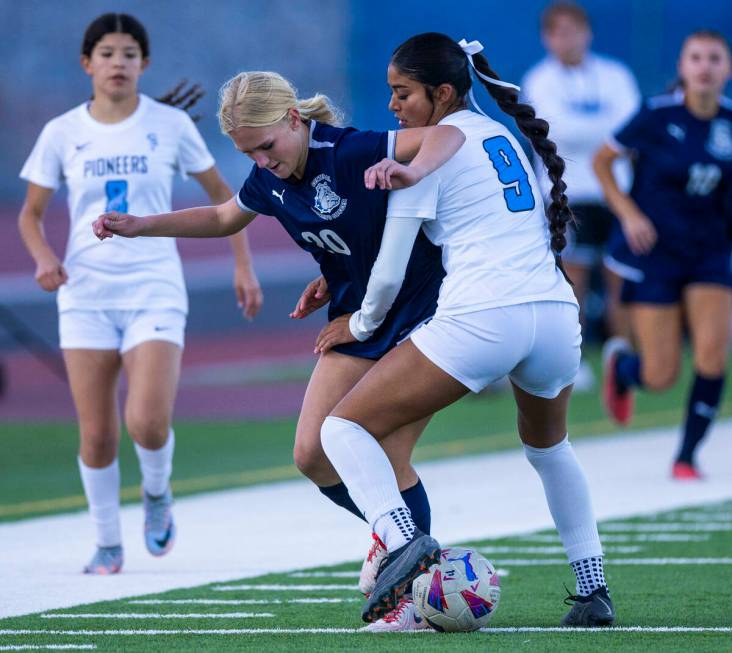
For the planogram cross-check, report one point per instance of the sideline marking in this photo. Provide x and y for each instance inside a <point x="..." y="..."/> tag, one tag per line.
<point x="49" y="647"/>
<point x="551" y="549"/>
<point x="650" y="537"/>
<point x="663" y="527"/>
<point x="280" y="588"/>
<point x="237" y="601"/>
<point x="527" y="562"/>
<point x="146" y="615"/>
<point x="325" y="631"/>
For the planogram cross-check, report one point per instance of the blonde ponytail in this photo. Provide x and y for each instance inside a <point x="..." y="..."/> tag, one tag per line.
<point x="261" y="99"/>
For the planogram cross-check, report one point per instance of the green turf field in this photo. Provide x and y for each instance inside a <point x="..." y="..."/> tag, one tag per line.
<point x="39" y="473"/>
<point x="670" y="576"/>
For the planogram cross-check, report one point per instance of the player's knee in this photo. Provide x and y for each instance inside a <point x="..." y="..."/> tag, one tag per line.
<point x="710" y="361"/>
<point x="98" y="446"/>
<point x="150" y="431"/>
<point x="659" y="377"/>
<point x="310" y="460"/>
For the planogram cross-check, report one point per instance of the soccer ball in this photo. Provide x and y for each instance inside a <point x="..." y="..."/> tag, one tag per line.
<point x="460" y="593"/>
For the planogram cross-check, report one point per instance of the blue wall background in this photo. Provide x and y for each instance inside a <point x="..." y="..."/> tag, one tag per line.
<point x="645" y="34"/>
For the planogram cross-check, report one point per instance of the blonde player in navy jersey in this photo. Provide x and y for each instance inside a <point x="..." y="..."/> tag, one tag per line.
<point x="122" y="307"/>
<point x="309" y="175"/>
<point x="504" y="308"/>
<point x="674" y="249"/>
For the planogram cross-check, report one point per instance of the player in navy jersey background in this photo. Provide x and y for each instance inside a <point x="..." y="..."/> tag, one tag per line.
<point x="673" y="249"/>
<point x="309" y="175"/>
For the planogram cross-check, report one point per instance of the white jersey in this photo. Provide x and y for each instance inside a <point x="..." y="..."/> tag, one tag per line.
<point x="127" y="166"/>
<point x="583" y="105"/>
<point x="484" y="208"/>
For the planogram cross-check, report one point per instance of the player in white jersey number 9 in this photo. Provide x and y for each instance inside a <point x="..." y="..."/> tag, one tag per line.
<point x="505" y="308"/>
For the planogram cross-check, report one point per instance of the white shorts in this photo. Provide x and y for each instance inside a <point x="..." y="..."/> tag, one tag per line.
<point x="120" y="330"/>
<point x="536" y="344"/>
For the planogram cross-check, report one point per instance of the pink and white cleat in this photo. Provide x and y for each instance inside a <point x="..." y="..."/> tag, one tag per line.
<point x="371" y="567"/>
<point x="402" y="618"/>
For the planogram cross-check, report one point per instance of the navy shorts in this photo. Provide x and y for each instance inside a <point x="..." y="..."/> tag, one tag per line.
<point x="662" y="279"/>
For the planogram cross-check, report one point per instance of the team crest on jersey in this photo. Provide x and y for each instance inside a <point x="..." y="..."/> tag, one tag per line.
<point x="328" y="204"/>
<point x="719" y="144"/>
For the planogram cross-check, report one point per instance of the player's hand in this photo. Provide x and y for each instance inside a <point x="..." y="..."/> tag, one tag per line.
<point x="249" y="295"/>
<point x="639" y="233"/>
<point x="50" y="273"/>
<point x="117" y="224"/>
<point x="334" y="333"/>
<point x="388" y="174"/>
<point x="314" y="296"/>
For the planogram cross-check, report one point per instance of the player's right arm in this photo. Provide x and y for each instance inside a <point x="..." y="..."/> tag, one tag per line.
<point x="638" y="229"/>
<point x="200" y="222"/>
<point x="50" y="272"/>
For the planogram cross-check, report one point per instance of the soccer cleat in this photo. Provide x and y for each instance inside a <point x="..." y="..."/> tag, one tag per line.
<point x="107" y="560"/>
<point x="590" y="611"/>
<point x="683" y="471"/>
<point x="401" y="568"/>
<point x="402" y="618"/>
<point x="159" y="524"/>
<point x="375" y="560"/>
<point x="618" y="402"/>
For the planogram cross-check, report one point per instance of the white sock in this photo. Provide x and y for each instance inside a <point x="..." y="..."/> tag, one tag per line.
<point x="101" y="486"/>
<point x="367" y="473"/>
<point x="156" y="466"/>
<point x="568" y="496"/>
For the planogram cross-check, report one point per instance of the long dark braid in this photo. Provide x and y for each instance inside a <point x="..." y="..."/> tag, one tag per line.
<point x="433" y="59"/>
<point x="536" y="130"/>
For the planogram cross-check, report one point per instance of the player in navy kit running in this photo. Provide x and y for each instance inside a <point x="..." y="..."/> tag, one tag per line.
<point x="310" y="177"/>
<point x="674" y="249"/>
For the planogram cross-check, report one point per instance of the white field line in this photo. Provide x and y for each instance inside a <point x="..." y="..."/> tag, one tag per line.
<point x="552" y="549"/>
<point x="661" y="527"/>
<point x="238" y="601"/>
<point x="49" y="647"/>
<point x="348" y="574"/>
<point x="355" y="631"/>
<point x="527" y="562"/>
<point x="283" y="588"/>
<point x="704" y="516"/>
<point x="639" y="537"/>
<point x="151" y="615"/>
<point x="41" y="573"/>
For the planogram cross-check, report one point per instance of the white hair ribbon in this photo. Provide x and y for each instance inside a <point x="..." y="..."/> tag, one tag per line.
<point x="474" y="47"/>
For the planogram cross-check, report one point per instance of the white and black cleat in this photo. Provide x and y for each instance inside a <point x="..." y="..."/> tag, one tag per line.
<point x="592" y="611"/>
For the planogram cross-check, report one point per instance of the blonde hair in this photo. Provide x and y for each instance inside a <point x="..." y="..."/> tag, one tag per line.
<point x="261" y="99"/>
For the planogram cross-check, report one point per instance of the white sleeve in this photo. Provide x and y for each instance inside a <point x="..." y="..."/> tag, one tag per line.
<point x="418" y="201"/>
<point x="386" y="277"/>
<point x="44" y="166"/>
<point x="193" y="155"/>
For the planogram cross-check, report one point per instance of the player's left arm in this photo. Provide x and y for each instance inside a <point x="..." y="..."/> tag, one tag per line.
<point x="246" y="285"/>
<point x="385" y="282"/>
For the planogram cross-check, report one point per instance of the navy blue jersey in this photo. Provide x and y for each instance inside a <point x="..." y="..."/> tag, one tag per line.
<point x="683" y="177"/>
<point x="331" y="214"/>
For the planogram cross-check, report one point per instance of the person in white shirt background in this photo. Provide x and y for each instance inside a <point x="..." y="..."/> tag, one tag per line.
<point x="585" y="97"/>
<point x="122" y="305"/>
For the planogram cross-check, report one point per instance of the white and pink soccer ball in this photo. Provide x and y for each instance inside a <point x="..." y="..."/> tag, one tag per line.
<point x="460" y="594"/>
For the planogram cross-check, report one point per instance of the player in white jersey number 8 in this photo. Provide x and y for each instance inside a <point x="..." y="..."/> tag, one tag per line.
<point x="122" y="306"/>
<point x="505" y="308"/>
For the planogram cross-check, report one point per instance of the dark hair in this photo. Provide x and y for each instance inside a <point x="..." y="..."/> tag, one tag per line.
<point x="115" y="24"/>
<point x="569" y="9"/>
<point x="183" y="96"/>
<point x="433" y="59"/>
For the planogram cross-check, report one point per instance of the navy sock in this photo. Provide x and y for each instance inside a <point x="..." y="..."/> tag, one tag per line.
<point x="338" y="494"/>
<point x="419" y="505"/>
<point x="627" y="371"/>
<point x="701" y="410"/>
